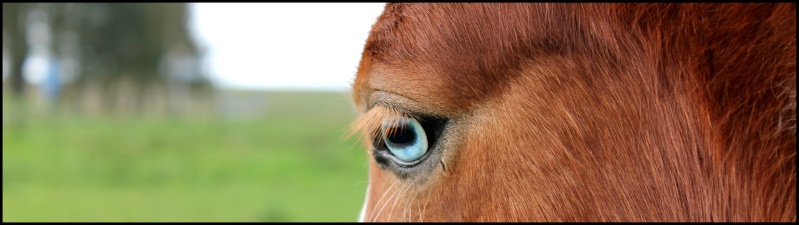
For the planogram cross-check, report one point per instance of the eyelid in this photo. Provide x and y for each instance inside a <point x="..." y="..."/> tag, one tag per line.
<point x="394" y="100"/>
<point x="421" y="117"/>
<point x="399" y="108"/>
<point x="401" y="103"/>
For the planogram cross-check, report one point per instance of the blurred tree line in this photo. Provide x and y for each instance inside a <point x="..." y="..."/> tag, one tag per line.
<point x="130" y="57"/>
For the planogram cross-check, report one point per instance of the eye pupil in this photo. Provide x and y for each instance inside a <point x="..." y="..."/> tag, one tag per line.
<point x="402" y="135"/>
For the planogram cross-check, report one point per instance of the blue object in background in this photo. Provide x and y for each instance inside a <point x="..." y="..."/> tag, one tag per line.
<point x="52" y="83"/>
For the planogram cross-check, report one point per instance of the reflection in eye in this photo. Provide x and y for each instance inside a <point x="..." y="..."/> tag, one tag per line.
<point x="405" y="138"/>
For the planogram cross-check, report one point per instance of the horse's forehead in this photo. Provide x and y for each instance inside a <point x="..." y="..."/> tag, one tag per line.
<point x="449" y="56"/>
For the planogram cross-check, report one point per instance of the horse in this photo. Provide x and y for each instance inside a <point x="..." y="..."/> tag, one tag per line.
<point x="579" y="112"/>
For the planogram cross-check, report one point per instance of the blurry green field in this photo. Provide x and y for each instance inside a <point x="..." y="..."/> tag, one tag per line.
<point x="290" y="163"/>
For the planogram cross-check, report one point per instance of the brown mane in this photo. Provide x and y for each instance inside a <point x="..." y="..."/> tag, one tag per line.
<point x="590" y="112"/>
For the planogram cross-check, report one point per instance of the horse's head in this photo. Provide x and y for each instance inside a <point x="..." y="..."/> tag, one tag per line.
<point x="580" y="112"/>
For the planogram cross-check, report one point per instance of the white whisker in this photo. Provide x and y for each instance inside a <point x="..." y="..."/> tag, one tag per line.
<point x="382" y="198"/>
<point x="396" y="198"/>
<point x="393" y="206"/>
<point x="398" y="189"/>
<point x="424" y="209"/>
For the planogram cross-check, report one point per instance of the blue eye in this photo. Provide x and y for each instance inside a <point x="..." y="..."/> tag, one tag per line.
<point x="405" y="138"/>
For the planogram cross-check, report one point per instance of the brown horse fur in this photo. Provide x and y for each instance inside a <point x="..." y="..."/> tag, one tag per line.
<point x="588" y="112"/>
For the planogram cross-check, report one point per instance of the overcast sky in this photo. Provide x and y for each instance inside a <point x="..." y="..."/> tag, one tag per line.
<point x="301" y="46"/>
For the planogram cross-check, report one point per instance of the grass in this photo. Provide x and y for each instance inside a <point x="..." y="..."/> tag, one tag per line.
<point x="290" y="163"/>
